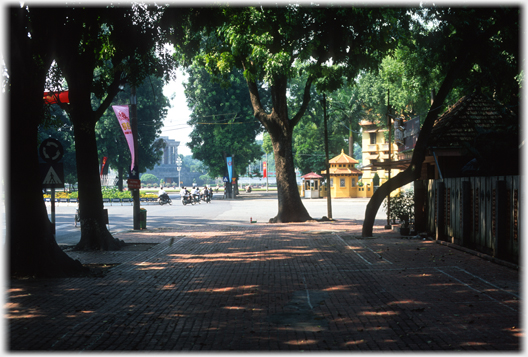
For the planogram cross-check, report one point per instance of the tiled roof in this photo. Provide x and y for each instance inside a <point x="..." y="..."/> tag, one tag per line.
<point x="342" y="171"/>
<point x="463" y="120"/>
<point x="311" y="175"/>
<point x="343" y="159"/>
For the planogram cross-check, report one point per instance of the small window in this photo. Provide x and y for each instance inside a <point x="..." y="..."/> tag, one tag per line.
<point x="373" y="138"/>
<point x="353" y="182"/>
<point x="331" y="182"/>
<point x="342" y="182"/>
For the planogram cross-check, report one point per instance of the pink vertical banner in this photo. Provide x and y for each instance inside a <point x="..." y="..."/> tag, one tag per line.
<point x="121" y="111"/>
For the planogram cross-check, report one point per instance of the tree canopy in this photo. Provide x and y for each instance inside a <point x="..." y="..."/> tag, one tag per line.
<point x="151" y="111"/>
<point x="100" y="50"/>
<point x="222" y="121"/>
<point x="273" y="45"/>
<point x="465" y="47"/>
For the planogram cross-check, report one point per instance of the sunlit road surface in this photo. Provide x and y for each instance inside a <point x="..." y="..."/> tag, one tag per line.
<point x="257" y="206"/>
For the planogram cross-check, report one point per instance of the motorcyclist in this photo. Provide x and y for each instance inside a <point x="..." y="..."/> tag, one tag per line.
<point x="162" y="194"/>
<point x="185" y="194"/>
<point x="205" y="193"/>
<point x="196" y="193"/>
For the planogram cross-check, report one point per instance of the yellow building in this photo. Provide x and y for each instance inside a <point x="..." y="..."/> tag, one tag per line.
<point x="376" y="157"/>
<point x="343" y="176"/>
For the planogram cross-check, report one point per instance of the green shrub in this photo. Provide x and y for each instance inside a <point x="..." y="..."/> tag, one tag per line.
<point x="401" y="207"/>
<point x="149" y="178"/>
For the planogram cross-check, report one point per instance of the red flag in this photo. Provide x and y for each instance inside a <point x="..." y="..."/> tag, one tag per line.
<point x="103" y="165"/>
<point x="56" y="97"/>
<point x="264" y="166"/>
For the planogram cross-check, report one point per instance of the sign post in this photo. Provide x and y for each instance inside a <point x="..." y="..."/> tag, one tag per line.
<point x="134" y="174"/>
<point x="52" y="172"/>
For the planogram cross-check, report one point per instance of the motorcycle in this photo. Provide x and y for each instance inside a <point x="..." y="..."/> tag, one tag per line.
<point x="206" y="198"/>
<point x="164" y="199"/>
<point x="186" y="200"/>
<point x="196" y="199"/>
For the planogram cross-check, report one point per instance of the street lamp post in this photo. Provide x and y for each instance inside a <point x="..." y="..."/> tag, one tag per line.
<point x="179" y="163"/>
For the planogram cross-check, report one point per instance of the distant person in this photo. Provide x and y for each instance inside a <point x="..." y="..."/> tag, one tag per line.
<point x="162" y="193"/>
<point x="196" y="192"/>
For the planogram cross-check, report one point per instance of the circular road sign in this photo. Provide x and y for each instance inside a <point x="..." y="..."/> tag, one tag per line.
<point x="51" y="150"/>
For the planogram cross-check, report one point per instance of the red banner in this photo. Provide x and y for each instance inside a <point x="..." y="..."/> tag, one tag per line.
<point x="121" y="111"/>
<point x="264" y="167"/>
<point x="103" y="165"/>
<point x="56" y="97"/>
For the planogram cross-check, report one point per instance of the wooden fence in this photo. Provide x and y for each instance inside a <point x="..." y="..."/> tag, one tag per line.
<point x="480" y="213"/>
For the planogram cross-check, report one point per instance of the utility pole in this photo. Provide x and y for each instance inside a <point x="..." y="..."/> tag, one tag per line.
<point x="267" y="182"/>
<point x="233" y="185"/>
<point x="350" y="140"/>
<point x="328" y="199"/>
<point x="135" y="170"/>
<point x="388" y="226"/>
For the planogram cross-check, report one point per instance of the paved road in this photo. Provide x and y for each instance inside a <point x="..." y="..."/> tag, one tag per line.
<point x="258" y="206"/>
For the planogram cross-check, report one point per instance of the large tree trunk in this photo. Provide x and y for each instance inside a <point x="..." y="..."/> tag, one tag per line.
<point x="120" y="179"/>
<point x="291" y="208"/>
<point x="33" y="250"/>
<point x="78" y="69"/>
<point x="280" y="128"/>
<point x="94" y="234"/>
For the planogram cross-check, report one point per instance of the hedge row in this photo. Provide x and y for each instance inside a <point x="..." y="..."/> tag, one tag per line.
<point x="107" y="193"/>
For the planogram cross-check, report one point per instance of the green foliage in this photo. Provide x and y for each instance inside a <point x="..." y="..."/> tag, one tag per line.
<point x="149" y="178"/>
<point x="267" y="145"/>
<point x="401" y="207"/>
<point x="267" y="148"/>
<point x="308" y="135"/>
<point x="222" y="120"/>
<point x="106" y="192"/>
<point x="152" y="108"/>
<point x="268" y="40"/>
<point x="113" y="192"/>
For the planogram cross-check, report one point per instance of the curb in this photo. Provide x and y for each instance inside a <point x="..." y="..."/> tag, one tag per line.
<point x="479" y="254"/>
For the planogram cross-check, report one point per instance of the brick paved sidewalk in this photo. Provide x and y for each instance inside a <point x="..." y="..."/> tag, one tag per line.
<point x="271" y="287"/>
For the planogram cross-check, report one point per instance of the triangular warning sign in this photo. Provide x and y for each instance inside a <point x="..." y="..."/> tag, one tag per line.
<point x="52" y="178"/>
<point x="52" y="175"/>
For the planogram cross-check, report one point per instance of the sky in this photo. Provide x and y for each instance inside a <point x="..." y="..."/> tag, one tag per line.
<point x="175" y="124"/>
